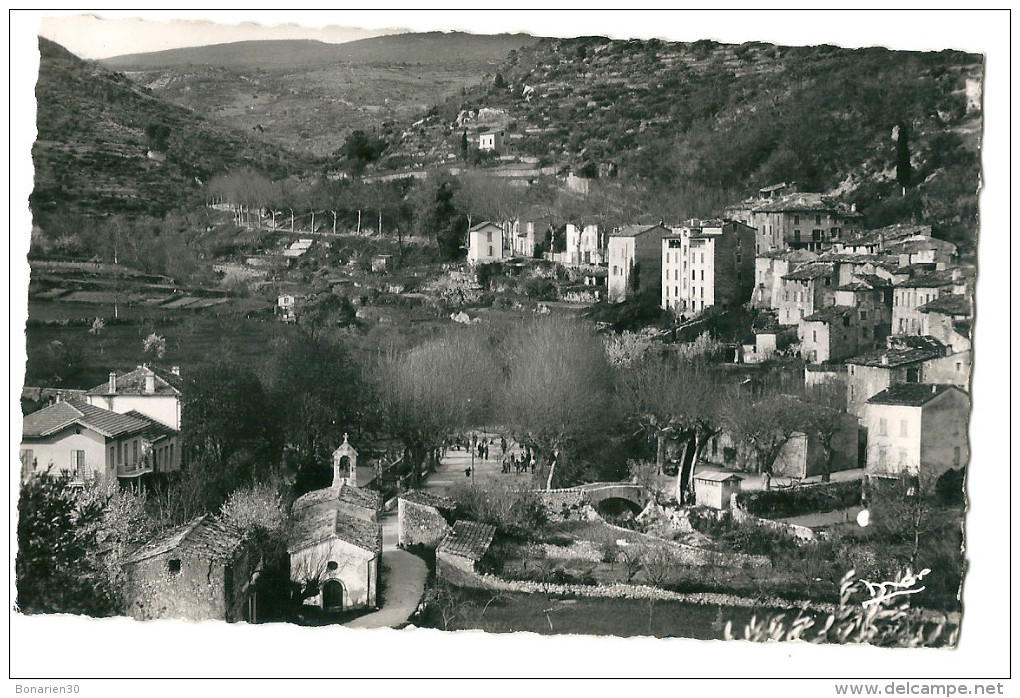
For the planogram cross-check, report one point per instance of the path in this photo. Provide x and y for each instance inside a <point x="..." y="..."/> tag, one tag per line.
<point x="452" y="468"/>
<point x="403" y="577"/>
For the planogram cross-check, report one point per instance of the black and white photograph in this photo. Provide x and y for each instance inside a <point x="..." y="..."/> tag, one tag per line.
<point x="477" y="344"/>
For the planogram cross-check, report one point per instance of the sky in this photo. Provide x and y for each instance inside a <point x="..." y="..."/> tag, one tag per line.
<point x="124" y="648"/>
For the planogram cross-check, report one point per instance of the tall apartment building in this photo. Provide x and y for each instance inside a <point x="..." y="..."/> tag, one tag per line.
<point x="707" y="263"/>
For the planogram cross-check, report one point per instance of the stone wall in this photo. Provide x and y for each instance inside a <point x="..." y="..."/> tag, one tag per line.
<point x="418" y="524"/>
<point x="565" y="505"/>
<point x="185" y="587"/>
<point x="801" y="533"/>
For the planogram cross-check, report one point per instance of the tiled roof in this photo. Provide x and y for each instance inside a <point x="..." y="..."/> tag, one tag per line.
<point x="206" y="537"/>
<point x="890" y="232"/>
<point x="911" y="394"/>
<point x="716" y="476"/>
<point x="321" y="521"/>
<point x="630" y="231"/>
<point x="893" y="357"/>
<point x="52" y="419"/>
<point x="370" y="499"/>
<point x="810" y="271"/>
<point x="428" y="499"/>
<point x="133" y="383"/>
<point x="874" y="280"/>
<point x="833" y="313"/>
<point x="949" y="304"/>
<point x="156" y="429"/>
<point x="468" y="539"/>
<point x="483" y="225"/>
<point x="856" y="286"/>
<point x="915" y="341"/>
<point x="36" y="394"/>
<point x="918" y="244"/>
<point x="805" y="202"/>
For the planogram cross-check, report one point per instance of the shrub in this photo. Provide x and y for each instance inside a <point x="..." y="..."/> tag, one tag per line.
<point x="775" y="504"/>
<point x="514" y="511"/>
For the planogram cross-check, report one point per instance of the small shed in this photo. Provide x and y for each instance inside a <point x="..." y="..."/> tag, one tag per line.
<point x="714" y="489"/>
<point x="382" y="263"/>
<point x="464" y="546"/>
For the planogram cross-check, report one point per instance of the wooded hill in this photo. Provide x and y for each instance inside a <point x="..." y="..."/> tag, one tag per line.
<point x="308" y="95"/>
<point x="96" y="129"/>
<point x="711" y="123"/>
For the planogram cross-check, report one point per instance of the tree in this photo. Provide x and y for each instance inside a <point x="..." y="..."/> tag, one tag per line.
<point x="437" y="217"/>
<point x="826" y="418"/>
<point x="158" y="136"/>
<point x="434" y="389"/>
<point x="71" y="543"/>
<point x="673" y="401"/>
<point x="360" y="149"/>
<point x="765" y="427"/>
<point x="498" y="82"/>
<point x="558" y="387"/>
<point x="903" y="169"/>
<point x="154" y="344"/>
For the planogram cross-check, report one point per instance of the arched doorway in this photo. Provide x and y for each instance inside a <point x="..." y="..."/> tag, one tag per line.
<point x="333" y="595"/>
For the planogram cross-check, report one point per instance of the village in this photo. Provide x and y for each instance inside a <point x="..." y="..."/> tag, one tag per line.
<point x="846" y="379"/>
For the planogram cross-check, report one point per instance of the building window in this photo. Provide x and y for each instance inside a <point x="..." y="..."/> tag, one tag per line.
<point x="702" y="274"/>
<point x="864" y="315"/>
<point x="956" y="456"/>
<point x="796" y="236"/>
<point x="173" y="566"/>
<point x="818" y="220"/>
<point x="134" y="451"/>
<point x="332" y="566"/>
<point x="796" y="220"/>
<point x="814" y="336"/>
<point x="959" y="366"/>
<point x="903" y="428"/>
<point x="913" y="375"/>
<point x="882" y="426"/>
<point x="77" y="462"/>
<point x="488" y="236"/>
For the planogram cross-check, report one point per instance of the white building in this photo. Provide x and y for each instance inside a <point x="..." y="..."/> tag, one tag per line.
<point x="140" y="390"/>
<point x="485" y="243"/>
<point x="491" y="140"/>
<point x="707" y="263"/>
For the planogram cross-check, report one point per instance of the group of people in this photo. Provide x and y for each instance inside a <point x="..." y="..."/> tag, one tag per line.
<point x="519" y="464"/>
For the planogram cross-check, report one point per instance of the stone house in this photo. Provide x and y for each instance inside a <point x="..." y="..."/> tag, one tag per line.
<point x="870" y="373"/>
<point x="491" y="140"/>
<point x="199" y="571"/>
<point x="423" y="518"/>
<point x="802" y="456"/>
<point x="714" y="489"/>
<point x="923" y="249"/>
<point x="915" y="427"/>
<point x="334" y="556"/>
<point x="707" y="263"/>
<point x="585" y="245"/>
<point x="91" y="442"/>
<point x="634" y="251"/>
<point x="948" y="318"/>
<point x="142" y="390"/>
<point x="916" y="291"/>
<point x="485" y="243"/>
<point x="804" y="220"/>
<point x="463" y="547"/>
<point x="382" y="263"/>
<point x="769" y="270"/>
<point x="805" y="290"/>
<point x="829" y="334"/>
<point x="872" y="242"/>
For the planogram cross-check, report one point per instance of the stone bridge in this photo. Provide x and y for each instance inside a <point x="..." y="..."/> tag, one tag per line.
<point x="599" y="494"/>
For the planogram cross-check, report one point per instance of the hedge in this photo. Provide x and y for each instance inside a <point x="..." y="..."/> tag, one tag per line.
<point x="776" y="504"/>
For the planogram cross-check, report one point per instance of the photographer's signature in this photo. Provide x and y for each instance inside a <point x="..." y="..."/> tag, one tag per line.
<point x="884" y="591"/>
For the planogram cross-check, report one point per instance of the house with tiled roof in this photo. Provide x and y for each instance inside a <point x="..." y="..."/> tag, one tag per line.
<point x="804" y="290"/>
<point x="948" y="318"/>
<point x="485" y="243"/>
<point x="91" y="442"/>
<point x="463" y="548"/>
<point x="876" y="240"/>
<point x="923" y="249"/>
<point x="199" y="571"/>
<point x="918" y="290"/>
<point x="423" y="518"/>
<point x="769" y="270"/>
<point x="142" y="390"/>
<point x="830" y="334"/>
<point x="634" y="256"/>
<point x="803" y="220"/>
<point x="917" y="429"/>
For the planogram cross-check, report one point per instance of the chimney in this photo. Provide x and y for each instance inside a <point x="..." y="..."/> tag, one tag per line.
<point x="885" y="359"/>
<point x="113" y="382"/>
<point x="150" y="383"/>
<point x="175" y="371"/>
<point x="933" y="388"/>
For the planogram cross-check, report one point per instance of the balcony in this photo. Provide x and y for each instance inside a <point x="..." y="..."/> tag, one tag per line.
<point x="134" y="469"/>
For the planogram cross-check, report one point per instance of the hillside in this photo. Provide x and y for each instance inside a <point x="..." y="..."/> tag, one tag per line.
<point x="96" y="130"/>
<point x="705" y="123"/>
<point x="307" y="96"/>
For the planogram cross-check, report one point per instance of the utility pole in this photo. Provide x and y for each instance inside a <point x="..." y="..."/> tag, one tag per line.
<point x="380" y="221"/>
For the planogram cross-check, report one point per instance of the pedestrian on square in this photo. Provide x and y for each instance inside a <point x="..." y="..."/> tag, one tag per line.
<point x="485" y="450"/>
<point x="502" y="444"/>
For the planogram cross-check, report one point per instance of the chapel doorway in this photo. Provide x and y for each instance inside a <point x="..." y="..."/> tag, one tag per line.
<point x="332" y="595"/>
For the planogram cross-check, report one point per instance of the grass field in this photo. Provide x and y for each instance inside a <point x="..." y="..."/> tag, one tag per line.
<point x="538" y="613"/>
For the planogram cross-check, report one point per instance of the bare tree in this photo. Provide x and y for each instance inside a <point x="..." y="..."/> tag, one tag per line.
<point x="765" y="427"/>
<point x="557" y="388"/>
<point x="826" y="418"/>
